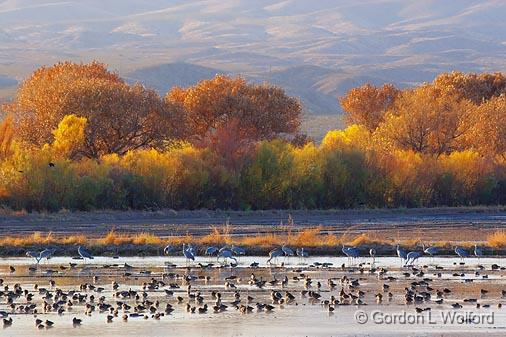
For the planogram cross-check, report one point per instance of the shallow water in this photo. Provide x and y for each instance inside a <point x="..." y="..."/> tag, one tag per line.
<point x="245" y="261"/>
<point x="302" y="317"/>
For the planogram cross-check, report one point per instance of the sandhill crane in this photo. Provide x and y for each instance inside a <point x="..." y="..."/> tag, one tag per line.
<point x="85" y="254"/>
<point x="402" y="253"/>
<point x="210" y="251"/>
<point x="274" y="254"/>
<point x="431" y="251"/>
<point x="187" y="252"/>
<point x="461" y="252"/>
<point x="301" y="252"/>
<point x="227" y="254"/>
<point x="372" y="253"/>
<point x="46" y="254"/>
<point x="412" y="257"/>
<point x="351" y="252"/>
<point x="169" y="249"/>
<point x="34" y="255"/>
<point x="287" y="251"/>
<point x="192" y="250"/>
<point x="238" y="250"/>
<point x="226" y="247"/>
<point x="478" y="252"/>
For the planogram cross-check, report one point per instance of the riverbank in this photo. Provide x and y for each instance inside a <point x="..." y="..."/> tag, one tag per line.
<point x="320" y="231"/>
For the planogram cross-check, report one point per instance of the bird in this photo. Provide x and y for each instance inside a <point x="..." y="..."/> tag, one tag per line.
<point x="372" y="252"/>
<point x="287" y="251"/>
<point x="478" y="252"/>
<point x="168" y="249"/>
<point x="46" y="254"/>
<point x="85" y="254"/>
<point x="350" y="252"/>
<point x="238" y="250"/>
<point x="402" y="253"/>
<point x="187" y="252"/>
<point x="430" y="250"/>
<point x="461" y="252"/>
<point x="227" y="254"/>
<point x="274" y="254"/>
<point x="301" y="252"/>
<point x="210" y="251"/>
<point x="412" y="257"/>
<point x="51" y="164"/>
<point x="192" y="250"/>
<point x="34" y="255"/>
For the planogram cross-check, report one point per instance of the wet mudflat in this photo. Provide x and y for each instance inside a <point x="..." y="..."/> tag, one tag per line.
<point x="168" y="296"/>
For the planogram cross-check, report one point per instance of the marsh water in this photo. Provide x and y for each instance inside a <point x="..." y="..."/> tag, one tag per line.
<point x="302" y="316"/>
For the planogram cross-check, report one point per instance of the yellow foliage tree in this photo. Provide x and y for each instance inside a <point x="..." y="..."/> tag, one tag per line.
<point x="6" y="136"/>
<point x="69" y="136"/>
<point x="468" y="169"/>
<point x="426" y="120"/>
<point x="353" y="137"/>
<point x="489" y="128"/>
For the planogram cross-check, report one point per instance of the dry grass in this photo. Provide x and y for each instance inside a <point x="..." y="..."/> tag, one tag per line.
<point x="146" y="239"/>
<point x="308" y="237"/>
<point x="267" y="240"/>
<point x="179" y="240"/>
<point x="497" y="239"/>
<point x="35" y="239"/>
<point x="114" y="238"/>
<point x="74" y="240"/>
<point x="218" y="236"/>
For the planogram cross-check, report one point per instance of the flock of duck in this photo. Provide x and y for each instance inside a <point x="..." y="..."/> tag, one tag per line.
<point x="200" y="289"/>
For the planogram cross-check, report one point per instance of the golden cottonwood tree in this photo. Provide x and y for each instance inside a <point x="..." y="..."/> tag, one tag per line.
<point x="6" y="136"/>
<point x="426" y="120"/>
<point x="69" y="136"/>
<point x="260" y="111"/>
<point x="367" y="105"/>
<point x="489" y="127"/>
<point x="474" y="87"/>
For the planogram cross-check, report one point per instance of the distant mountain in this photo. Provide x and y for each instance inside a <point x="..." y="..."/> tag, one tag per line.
<point x="165" y="76"/>
<point x="314" y="49"/>
<point x="6" y="81"/>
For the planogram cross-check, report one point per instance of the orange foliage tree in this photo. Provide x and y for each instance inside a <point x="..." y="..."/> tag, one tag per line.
<point x="120" y="117"/>
<point x="367" y="105"/>
<point x="474" y="87"/>
<point x="260" y="111"/>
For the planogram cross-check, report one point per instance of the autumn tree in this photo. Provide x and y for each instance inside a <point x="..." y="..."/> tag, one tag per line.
<point x="6" y="136"/>
<point x="69" y="136"/>
<point x="119" y="117"/>
<point x="488" y="133"/>
<point x="474" y="87"/>
<point x="367" y="105"/>
<point x="426" y="120"/>
<point x="260" y="111"/>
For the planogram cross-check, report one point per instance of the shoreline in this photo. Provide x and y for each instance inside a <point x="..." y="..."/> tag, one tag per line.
<point x="321" y="232"/>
